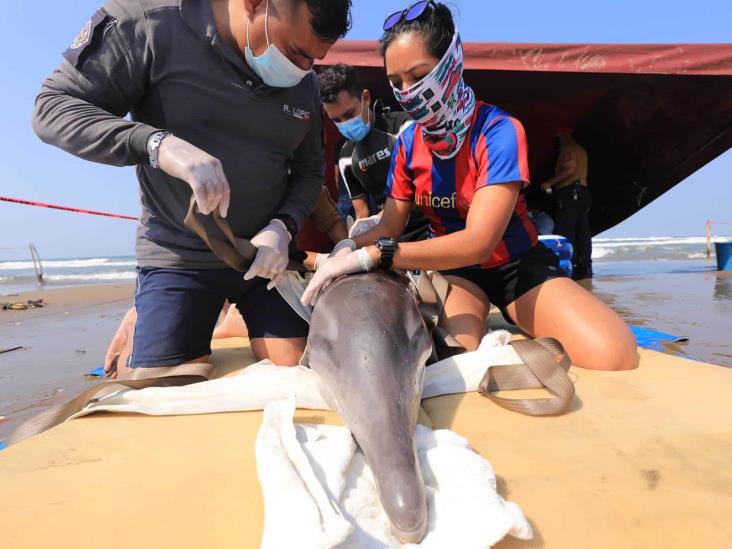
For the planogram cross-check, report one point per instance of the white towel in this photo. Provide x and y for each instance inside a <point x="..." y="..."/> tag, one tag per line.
<point x="301" y="478"/>
<point x="319" y="492"/>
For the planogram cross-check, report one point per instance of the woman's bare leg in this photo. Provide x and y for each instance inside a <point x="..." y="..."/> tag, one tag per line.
<point x="593" y="334"/>
<point x="466" y="308"/>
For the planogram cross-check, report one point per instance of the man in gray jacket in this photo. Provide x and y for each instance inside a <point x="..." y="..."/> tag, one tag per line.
<point x="224" y="106"/>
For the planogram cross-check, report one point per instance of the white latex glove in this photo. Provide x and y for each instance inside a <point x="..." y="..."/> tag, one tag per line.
<point x="351" y="262"/>
<point x="203" y="173"/>
<point x="343" y="247"/>
<point x="272" y="253"/>
<point x="320" y="260"/>
<point x="363" y="225"/>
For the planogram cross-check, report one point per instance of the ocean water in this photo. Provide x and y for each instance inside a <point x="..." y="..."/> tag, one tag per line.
<point x="653" y="248"/>
<point x="18" y="275"/>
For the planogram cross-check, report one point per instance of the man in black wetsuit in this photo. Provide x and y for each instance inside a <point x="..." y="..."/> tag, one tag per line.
<point x="370" y="130"/>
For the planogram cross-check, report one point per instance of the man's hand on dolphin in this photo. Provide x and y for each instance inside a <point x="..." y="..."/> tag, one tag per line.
<point x="348" y="263"/>
<point x="272" y="252"/>
<point x="203" y="173"/>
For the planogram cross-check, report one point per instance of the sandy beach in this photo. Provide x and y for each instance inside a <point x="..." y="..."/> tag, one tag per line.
<point x="61" y="342"/>
<point x="68" y="337"/>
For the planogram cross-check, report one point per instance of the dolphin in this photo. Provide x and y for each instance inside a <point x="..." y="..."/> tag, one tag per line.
<point x="368" y="346"/>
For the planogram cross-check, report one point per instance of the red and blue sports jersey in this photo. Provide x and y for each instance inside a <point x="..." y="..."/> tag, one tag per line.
<point x="495" y="152"/>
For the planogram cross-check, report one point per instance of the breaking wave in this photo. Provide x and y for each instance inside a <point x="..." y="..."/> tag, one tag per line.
<point x="125" y="275"/>
<point x="68" y="264"/>
<point x="654" y="248"/>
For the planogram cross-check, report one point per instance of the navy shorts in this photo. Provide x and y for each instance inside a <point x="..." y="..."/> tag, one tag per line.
<point x="177" y="310"/>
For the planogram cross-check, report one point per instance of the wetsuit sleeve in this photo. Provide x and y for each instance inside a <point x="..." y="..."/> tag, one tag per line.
<point x="501" y="153"/>
<point x="400" y="181"/>
<point x="353" y="185"/>
<point x="81" y="106"/>
<point x="307" y="168"/>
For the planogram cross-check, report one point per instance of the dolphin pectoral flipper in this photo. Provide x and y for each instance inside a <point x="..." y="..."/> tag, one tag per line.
<point x="369" y="346"/>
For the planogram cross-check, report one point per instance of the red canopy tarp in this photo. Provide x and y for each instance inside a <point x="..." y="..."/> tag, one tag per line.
<point x="648" y="115"/>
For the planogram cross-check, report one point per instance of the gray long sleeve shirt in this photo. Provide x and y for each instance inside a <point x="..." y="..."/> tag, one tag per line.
<point x="163" y="62"/>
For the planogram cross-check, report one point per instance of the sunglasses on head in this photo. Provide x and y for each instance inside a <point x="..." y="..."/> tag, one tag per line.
<point x="413" y="12"/>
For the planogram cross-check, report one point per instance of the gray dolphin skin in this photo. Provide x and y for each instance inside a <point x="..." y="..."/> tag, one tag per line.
<point x="368" y="346"/>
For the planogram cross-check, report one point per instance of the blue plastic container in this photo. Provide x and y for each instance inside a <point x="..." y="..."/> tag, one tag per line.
<point x="724" y="255"/>
<point x="562" y="248"/>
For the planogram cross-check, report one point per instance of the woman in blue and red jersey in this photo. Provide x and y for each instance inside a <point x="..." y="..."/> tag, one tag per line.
<point x="465" y="165"/>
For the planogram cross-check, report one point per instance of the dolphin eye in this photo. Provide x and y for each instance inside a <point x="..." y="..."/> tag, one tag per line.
<point x="320" y="342"/>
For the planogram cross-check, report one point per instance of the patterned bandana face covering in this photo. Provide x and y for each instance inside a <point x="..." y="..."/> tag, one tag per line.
<point x="441" y="103"/>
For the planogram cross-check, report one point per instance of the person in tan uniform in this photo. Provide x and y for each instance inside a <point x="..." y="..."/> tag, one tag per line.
<point x="326" y="219"/>
<point x="573" y="201"/>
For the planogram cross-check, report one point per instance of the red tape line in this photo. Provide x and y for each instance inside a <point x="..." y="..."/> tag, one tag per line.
<point x="64" y="208"/>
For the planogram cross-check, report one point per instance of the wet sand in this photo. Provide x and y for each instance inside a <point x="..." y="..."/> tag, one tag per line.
<point x="68" y="337"/>
<point x="61" y="342"/>
<point x="684" y="298"/>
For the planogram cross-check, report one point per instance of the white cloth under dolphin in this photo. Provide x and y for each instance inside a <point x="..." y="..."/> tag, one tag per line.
<point x="320" y="493"/>
<point x="263" y="383"/>
<point x="318" y="490"/>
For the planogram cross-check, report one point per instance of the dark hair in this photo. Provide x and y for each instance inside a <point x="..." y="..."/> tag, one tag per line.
<point x="330" y="19"/>
<point x="435" y="25"/>
<point x="337" y="78"/>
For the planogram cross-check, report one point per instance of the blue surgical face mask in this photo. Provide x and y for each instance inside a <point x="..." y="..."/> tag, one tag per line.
<point x="272" y="66"/>
<point x="355" y="129"/>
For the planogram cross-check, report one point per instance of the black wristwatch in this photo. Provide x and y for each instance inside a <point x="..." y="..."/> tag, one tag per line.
<point x="290" y="224"/>
<point x="388" y="247"/>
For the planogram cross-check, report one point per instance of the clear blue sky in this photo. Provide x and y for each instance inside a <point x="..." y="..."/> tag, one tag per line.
<point x="36" y="33"/>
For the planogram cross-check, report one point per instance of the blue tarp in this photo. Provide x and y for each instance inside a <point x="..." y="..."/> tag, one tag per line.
<point x="653" y="339"/>
<point x="97" y="372"/>
<point x="3" y="445"/>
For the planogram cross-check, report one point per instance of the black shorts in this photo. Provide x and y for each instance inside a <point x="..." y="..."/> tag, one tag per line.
<point x="506" y="283"/>
<point x="177" y="311"/>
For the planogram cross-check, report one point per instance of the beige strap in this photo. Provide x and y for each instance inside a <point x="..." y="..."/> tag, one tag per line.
<point x="430" y="304"/>
<point x="214" y="230"/>
<point x="138" y="378"/>
<point x="545" y="366"/>
<point x="432" y="292"/>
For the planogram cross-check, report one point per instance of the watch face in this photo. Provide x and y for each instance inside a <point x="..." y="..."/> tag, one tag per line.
<point x="387" y="247"/>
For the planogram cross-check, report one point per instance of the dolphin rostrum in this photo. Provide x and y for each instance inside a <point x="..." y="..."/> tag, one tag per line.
<point x="368" y="345"/>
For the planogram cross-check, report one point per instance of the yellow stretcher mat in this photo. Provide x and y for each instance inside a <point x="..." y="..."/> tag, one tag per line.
<point x="642" y="461"/>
